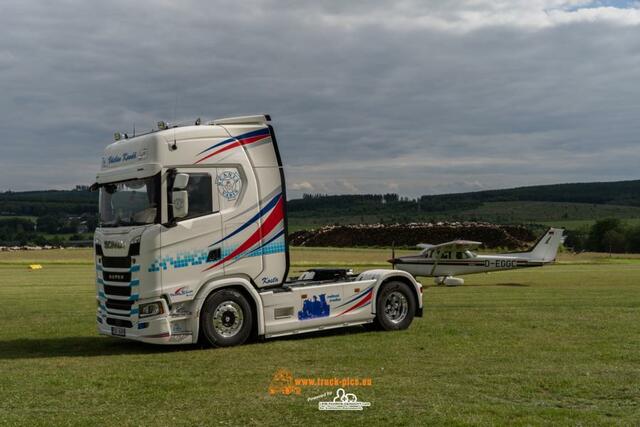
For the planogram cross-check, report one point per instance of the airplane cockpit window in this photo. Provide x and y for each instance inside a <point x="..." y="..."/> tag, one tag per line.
<point x="460" y="255"/>
<point x="470" y="254"/>
<point x="445" y="255"/>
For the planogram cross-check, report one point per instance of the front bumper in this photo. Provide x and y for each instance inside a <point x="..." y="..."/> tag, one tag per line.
<point x="166" y="328"/>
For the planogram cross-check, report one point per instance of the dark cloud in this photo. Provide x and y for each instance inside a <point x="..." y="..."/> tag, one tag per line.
<point x="412" y="97"/>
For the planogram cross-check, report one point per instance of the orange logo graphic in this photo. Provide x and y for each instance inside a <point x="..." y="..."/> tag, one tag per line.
<point x="282" y="383"/>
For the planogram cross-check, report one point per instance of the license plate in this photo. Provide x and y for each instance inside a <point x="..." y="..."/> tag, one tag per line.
<point x="118" y="331"/>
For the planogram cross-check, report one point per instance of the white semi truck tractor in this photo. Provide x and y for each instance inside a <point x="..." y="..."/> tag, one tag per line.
<point x="192" y="244"/>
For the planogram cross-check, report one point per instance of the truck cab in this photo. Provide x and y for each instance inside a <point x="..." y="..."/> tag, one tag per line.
<point x="192" y="242"/>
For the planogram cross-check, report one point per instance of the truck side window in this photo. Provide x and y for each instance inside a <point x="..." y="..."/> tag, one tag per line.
<point x="200" y="199"/>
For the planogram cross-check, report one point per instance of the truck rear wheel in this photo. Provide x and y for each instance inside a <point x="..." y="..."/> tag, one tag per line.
<point x="395" y="306"/>
<point x="226" y="318"/>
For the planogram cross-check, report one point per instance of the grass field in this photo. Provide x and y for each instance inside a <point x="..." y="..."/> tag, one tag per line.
<point x="556" y="345"/>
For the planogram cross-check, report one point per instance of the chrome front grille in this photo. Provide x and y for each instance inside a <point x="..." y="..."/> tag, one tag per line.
<point x="116" y="261"/>
<point x="121" y="291"/>
<point x="116" y="304"/>
<point x="118" y="290"/>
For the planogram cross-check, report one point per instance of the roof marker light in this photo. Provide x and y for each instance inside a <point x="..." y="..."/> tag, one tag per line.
<point x="162" y="125"/>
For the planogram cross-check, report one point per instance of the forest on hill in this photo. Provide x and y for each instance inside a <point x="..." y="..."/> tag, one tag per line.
<point x="578" y="206"/>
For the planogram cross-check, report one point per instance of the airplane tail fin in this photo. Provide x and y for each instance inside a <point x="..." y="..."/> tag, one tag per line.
<point x="546" y="248"/>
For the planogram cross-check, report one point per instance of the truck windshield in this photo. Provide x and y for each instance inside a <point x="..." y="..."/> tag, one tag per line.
<point x="133" y="202"/>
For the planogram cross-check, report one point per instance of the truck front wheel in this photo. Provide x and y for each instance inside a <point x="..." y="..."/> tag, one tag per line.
<point x="226" y="318"/>
<point x="395" y="306"/>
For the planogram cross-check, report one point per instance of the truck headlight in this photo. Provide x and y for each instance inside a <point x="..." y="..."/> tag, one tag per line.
<point x="151" y="309"/>
<point x="134" y="246"/>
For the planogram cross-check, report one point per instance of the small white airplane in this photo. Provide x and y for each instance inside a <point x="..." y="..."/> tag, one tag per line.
<point x="446" y="260"/>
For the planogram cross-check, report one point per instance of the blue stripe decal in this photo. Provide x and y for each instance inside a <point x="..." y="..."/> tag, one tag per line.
<point x="135" y="282"/>
<point x="101" y="294"/>
<point x="226" y="141"/>
<point x="99" y="281"/>
<point x="264" y="210"/>
<point x="133" y="298"/>
<point x="134" y="268"/>
<point x="193" y="258"/>
<point x="98" y="268"/>
<point x="134" y="311"/>
<point x="361" y="294"/>
<point x="263" y="131"/>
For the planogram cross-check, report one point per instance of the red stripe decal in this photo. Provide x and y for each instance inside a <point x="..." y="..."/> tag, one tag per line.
<point x="362" y="302"/>
<point x="244" y="141"/>
<point x="274" y="218"/>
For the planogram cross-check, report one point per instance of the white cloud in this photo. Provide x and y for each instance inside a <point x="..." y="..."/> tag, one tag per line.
<point x="305" y="186"/>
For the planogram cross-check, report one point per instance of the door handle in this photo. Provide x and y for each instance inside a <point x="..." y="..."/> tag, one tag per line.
<point x="214" y="255"/>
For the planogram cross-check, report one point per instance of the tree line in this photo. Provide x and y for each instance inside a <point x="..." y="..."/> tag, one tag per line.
<point x="607" y="235"/>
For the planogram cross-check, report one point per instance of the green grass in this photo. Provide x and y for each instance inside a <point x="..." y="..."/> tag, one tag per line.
<point x="555" y="345"/>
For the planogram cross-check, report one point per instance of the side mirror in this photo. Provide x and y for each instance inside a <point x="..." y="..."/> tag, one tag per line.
<point x="180" y="181"/>
<point x="180" y="203"/>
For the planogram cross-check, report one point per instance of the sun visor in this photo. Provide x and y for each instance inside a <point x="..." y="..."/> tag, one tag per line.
<point x="126" y="173"/>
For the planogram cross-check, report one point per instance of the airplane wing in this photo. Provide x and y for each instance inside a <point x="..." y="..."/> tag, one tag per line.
<point x="453" y="246"/>
<point x="457" y="244"/>
<point x="424" y="246"/>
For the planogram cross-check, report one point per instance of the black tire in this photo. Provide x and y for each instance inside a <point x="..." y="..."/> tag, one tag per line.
<point x="395" y="306"/>
<point x="226" y="318"/>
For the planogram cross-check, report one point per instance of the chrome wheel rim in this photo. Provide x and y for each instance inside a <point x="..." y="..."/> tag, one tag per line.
<point x="228" y="318"/>
<point x="396" y="307"/>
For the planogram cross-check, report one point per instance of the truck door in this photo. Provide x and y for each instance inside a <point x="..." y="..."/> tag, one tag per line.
<point x="240" y="206"/>
<point x="186" y="247"/>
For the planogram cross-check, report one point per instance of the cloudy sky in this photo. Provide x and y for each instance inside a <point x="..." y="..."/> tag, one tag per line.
<point x="414" y="97"/>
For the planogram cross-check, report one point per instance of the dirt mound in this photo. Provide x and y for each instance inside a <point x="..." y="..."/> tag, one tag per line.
<point x="493" y="236"/>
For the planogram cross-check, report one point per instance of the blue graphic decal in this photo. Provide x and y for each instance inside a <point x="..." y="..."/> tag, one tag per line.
<point x="314" y="307"/>
<point x="183" y="259"/>
<point x="189" y="259"/>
